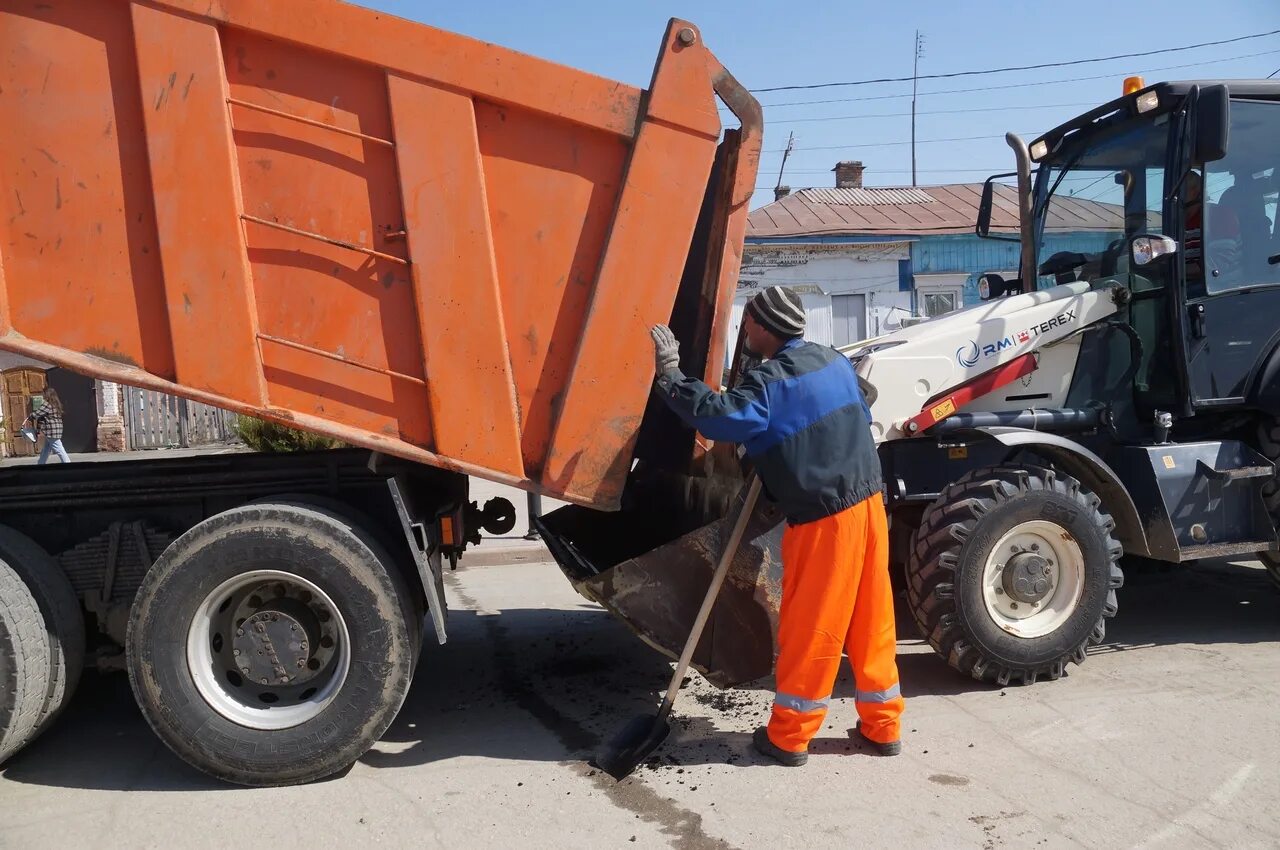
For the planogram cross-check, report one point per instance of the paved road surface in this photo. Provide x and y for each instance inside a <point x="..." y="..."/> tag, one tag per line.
<point x="1169" y="736"/>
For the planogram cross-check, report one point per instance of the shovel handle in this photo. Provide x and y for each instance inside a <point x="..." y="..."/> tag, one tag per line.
<point x="729" y="549"/>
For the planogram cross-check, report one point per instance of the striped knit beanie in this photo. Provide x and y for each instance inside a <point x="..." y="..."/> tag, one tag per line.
<point x="780" y="310"/>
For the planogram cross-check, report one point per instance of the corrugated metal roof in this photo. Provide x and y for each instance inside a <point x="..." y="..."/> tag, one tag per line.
<point x="867" y="197"/>
<point x="952" y="208"/>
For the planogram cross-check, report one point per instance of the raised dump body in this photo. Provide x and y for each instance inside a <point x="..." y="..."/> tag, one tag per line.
<point x="414" y="242"/>
<point x="409" y="240"/>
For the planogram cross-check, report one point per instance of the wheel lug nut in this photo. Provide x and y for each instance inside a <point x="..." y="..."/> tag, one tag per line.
<point x="236" y="651"/>
<point x="999" y="591"/>
<point x="1013" y="605"/>
<point x="239" y="632"/>
<point x="1035" y="547"/>
<point x="264" y="681"/>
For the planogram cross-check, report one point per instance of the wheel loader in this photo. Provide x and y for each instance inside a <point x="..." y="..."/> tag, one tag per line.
<point x="1098" y="406"/>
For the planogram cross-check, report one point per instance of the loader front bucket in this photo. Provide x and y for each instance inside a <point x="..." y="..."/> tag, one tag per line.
<point x="650" y="565"/>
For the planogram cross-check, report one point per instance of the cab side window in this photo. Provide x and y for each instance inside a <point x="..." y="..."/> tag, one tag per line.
<point x="1240" y="236"/>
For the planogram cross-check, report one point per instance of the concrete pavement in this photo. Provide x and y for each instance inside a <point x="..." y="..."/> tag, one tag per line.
<point x="1167" y="737"/>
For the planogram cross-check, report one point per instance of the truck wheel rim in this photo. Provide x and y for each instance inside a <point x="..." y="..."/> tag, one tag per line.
<point x="268" y="649"/>
<point x="1033" y="579"/>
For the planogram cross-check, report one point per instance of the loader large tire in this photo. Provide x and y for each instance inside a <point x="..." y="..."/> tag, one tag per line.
<point x="60" y="612"/>
<point x="1269" y="444"/>
<point x="1013" y="572"/>
<point x="24" y="663"/>
<point x="218" y="610"/>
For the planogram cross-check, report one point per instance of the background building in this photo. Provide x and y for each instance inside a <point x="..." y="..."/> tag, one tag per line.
<point x="864" y="259"/>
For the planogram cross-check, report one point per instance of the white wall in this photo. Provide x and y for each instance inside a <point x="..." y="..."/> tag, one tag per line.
<point x="820" y="271"/>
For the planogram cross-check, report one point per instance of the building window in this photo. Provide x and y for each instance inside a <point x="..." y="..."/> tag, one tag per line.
<point x="939" y="303"/>
<point x="939" y="294"/>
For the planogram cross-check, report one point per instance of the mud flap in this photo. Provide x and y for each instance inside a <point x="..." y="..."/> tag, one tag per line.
<point x="429" y="564"/>
<point x="650" y="565"/>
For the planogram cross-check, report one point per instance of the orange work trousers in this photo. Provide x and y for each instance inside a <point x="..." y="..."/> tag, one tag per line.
<point x="836" y="596"/>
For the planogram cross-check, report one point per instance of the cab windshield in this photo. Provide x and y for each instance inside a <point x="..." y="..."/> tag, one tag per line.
<point x="1095" y="195"/>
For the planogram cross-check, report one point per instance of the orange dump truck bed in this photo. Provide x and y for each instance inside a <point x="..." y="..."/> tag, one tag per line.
<point x="368" y="228"/>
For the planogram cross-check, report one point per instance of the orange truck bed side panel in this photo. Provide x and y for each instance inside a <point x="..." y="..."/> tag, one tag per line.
<point x="190" y="153"/>
<point x="328" y="217"/>
<point x="473" y="402"/>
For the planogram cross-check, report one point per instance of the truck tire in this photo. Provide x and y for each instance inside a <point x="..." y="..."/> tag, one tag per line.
<point x="24" y="663"/>
<point x="413" y="604"/>
<point x="268" y="644"/>
<point x="60" y="612"/>
<point x="1013" y="573"/>
<point x="1269" y="445"/>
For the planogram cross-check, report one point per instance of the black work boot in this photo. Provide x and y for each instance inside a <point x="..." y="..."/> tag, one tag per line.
<point x="767" y="748"/>
<point x="892" y="748"/>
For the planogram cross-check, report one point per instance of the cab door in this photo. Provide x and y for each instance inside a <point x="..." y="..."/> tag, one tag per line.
<point x="1233" y="305"/>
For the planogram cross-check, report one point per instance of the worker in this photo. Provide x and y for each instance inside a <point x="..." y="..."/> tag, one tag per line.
<point x="803" y="422"/>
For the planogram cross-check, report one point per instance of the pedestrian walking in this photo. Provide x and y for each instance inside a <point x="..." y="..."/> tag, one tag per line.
<point x="48" y="422"/>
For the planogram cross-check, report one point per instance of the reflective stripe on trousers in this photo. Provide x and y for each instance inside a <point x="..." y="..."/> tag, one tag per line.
<point x="800" y="704"/>
<point x="878" y="696"/>
<point x="836" y="598"/>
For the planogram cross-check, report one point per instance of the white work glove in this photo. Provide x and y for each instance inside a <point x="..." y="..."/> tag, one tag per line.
<point x="666" y="350"/>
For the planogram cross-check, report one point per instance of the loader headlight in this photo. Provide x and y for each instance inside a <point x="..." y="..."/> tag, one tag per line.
<point x="1147" y="102"/>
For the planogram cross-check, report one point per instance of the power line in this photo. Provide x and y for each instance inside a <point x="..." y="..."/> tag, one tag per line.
<point x="1035" y="67"/>
<point x="906" y="170"/>
<point x="934" y="112"/>
<point x="1273" y="73"/>
<point x="895" y="144"/>
<point x="1019" y="85"/>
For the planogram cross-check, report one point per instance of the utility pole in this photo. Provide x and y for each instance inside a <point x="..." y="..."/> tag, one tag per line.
<point x="915" y="73"/>
<point x="791" y="143"/>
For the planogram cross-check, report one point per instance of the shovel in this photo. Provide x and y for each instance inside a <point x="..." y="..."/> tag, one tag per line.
<point x="644" y="734"/>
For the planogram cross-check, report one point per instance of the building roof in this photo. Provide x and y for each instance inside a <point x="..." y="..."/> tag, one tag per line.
<point x="929" y="210"/>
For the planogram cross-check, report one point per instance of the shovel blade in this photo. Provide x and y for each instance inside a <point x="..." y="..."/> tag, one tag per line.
<point x="632" y="745"/>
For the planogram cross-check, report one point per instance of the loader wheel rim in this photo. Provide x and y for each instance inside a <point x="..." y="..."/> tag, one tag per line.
<point x="268" y="649"/>
<point x="1034" y="579"/>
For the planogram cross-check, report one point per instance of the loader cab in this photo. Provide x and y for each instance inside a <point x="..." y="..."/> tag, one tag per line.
<point x="1171" y="193"/>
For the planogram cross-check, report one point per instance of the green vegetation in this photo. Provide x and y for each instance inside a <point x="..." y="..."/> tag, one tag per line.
<point x="264" y="436"/>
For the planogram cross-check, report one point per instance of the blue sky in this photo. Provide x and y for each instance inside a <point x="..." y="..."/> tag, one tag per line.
<point x="780" y="43"/>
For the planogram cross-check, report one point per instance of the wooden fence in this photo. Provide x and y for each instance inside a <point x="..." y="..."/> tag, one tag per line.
<point x="156" y="420"/>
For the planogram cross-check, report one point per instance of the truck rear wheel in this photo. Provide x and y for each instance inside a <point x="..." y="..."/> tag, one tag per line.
<point x="60" y="613"/>
<point x="24" y="662"/>
<point x="268" y="645"/>
<point x="1013" y="573"/>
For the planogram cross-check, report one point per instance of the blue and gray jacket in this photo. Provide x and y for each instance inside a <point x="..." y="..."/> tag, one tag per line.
<point x="802" y="420"/>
